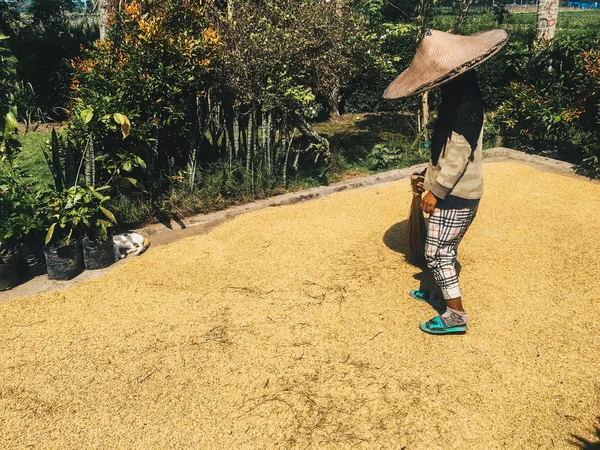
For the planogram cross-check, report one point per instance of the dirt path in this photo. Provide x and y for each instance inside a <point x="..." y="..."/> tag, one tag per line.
<point x="291" y="327"/>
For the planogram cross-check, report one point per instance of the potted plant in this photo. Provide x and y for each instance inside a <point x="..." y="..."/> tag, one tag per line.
<point x="9" y="270"/>
<point x="63" y="250"/>
<point x="10" y="177"/>
<point x="26" y="226"/>
<point x="97" y="220"/>
<point x="9" y="274"/>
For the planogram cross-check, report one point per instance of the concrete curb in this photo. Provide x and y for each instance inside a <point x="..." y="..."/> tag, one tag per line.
<point x="541" y="162"/>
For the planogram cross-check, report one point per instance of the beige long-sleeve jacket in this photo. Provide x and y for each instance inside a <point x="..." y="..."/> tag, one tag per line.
<point x="458" y="171"/>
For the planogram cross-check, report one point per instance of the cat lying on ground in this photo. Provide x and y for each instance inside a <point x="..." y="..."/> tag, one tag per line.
<point x="130" y="243"/>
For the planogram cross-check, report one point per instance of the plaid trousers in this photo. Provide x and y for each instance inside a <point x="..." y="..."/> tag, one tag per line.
<point x="445" y="231"/>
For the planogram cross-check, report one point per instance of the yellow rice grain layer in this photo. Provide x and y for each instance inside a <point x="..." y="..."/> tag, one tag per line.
<point x="291" y="327"/>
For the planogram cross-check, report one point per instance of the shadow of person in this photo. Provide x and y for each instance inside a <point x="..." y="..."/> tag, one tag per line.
<point x="395" y="238"/>
<point x="588" y="445"/>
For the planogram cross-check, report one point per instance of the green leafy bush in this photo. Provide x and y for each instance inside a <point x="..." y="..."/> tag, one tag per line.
<point x="23" y="210"/>
<point x="381" y="157"/>
<point x="552" y="109"/>
<point x="194" y="87"/>
<point x="151" y="70"/>
<point x="589" y="64"/>
<point x="391" y="48"/>
<point x="79" y="211"/>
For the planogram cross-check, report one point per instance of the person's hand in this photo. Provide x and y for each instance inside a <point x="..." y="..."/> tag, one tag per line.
<point x="416" y="182"/>
<point x="428" y="203"/>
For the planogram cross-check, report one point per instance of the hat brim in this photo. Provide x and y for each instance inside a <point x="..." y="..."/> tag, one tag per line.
<point x="409" y="83"/>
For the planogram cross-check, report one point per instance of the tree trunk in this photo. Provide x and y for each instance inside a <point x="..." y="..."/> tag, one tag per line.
<point x="102" y="17"/>
<point x="270" y="144"/>
<point x="255" y="148"/>
<point x="230" y="6"/>
<point x="215" y="125"/>
<point x="265" y="137"/>
<point x="228" y="115"/>
<point x="243" y="140"/>
<point x="462" y="14"/>
<point x="236" y="138"/>
<point x="425" y="111"/>
<point x="334" y="101"/>
<point x="421" y="21"/>
<point x="193" y="151"/>
<point x="287" y="149"/>
<point x="335" y="97"/>
<point x="307" y="129"/>
<point x="547" y="15"/>
<point x="151" y="162"/>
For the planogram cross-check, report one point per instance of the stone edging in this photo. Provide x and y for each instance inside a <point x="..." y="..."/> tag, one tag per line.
<point x="504" y="154"/>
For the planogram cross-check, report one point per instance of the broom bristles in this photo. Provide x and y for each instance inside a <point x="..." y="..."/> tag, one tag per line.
<point x="415" y="229"/>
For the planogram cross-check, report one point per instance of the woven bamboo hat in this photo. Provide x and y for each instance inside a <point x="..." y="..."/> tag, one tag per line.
<point x="442" y="56"/>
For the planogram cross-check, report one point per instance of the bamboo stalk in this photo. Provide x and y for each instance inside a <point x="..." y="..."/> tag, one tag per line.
<point x="268" y="141"/>
<point x="263" y="131"/>
<point x="287" y="155"/>
<point x="249" y="139"/>
<point x="236" y="138"/>
<point x="255" y="148"/>
<point x="193" y="155"/>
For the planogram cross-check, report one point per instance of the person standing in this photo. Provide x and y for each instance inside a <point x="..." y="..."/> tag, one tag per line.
<point x="453" y="178"/>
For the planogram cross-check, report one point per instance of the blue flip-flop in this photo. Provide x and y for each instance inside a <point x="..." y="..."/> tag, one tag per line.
<point x="438" y="326"/>
<point x="420" y="295"/>
<point x="426" y="297"/>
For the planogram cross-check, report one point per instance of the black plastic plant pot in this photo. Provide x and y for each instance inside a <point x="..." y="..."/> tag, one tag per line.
<point x="32" y="261"/>
<point x="64" y="263"/>
<point x="9" y="270"/>
<point x="98" y="254"/>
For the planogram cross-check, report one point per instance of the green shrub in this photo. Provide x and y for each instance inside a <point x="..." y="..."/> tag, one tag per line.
<point x="552" y="109"/>
<point x="589" y="64"/>
<point x="391" y="49"/>
<point x="136" y="93"/>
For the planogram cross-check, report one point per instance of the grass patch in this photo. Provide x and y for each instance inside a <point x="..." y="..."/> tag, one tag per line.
<point x="31" y="159"/>
<point x="370" y="143"/>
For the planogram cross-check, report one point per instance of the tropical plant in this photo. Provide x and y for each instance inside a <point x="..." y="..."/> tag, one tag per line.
<point x="79" y="211"/>
<point x="153" y="69"/>
<point x="9" y="146"/>
<point x="381" y="157"/>
<point x="23" y="211"/>
<point x="550" y="110"/>
<point x="588" y="63"/>
<point x="95" y="216"/>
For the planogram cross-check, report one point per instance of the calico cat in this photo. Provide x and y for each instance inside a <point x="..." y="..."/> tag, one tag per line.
<point x="130" y="243"/>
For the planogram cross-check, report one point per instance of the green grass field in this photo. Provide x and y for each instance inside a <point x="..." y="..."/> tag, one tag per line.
<point x="31" y="158"/>
<point x="569" y="21"/>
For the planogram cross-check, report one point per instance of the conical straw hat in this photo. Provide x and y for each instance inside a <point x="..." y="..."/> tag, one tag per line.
<point x="443" y="56"/>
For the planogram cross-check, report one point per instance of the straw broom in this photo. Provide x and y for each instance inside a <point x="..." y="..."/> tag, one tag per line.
<point x="416" y="232"/>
